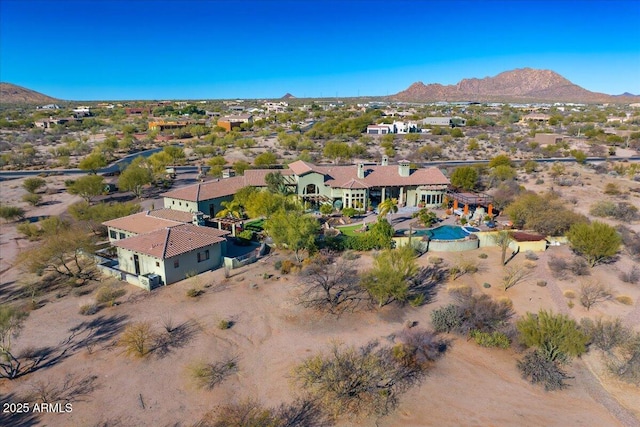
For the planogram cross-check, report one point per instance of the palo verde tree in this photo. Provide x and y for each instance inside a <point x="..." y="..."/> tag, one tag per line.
<point x="294" y="231"/>
<point x="596" y="242"/>
<point x="11" y="320"/>
<point x="555" y="336"/>
<point x="87" y="187"/>
<point x="389" y="279"/>
<point x="93" y="162"/>
<point x="135" y="177"/>
<point x="465" y="177"/>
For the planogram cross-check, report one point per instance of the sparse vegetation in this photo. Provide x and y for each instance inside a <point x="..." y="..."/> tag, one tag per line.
<point x="208" y="375"/>
<point x="137" y="339"/>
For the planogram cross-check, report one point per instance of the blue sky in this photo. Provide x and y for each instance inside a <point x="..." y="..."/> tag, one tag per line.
<point x="202" y="49"/>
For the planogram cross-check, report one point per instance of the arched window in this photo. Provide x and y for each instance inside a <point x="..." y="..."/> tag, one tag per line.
<point x="311" y="189"/>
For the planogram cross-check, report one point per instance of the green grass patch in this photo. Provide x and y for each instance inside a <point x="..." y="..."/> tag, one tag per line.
<point x="350" y="230"/>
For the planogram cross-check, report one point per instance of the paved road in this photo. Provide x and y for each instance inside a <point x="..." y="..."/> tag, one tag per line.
<point x="121" y="164"/>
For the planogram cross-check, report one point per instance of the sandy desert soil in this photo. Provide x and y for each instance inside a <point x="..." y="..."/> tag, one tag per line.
<point x="469" y="386"/>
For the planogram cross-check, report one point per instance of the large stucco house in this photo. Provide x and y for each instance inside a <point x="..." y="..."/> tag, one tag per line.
<point x="164" y="246"/>
<point x="354" y="186"/>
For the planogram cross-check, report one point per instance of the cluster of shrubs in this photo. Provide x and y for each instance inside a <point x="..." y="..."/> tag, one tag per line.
<point x="106" y="296"/>
<point x="621" y="211"/>
<point x="559" y="266"/>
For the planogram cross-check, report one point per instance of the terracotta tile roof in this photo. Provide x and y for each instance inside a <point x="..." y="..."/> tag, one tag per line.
<point x="381" y="176"/>
<point x="208" y="190"/>
<point x="300" y="167"/>
<point x="521" y="236"/>
<point x="256" y="177"/>
<point x="172" y="215"/>
<point x="354" y="183"/>
<point x="173" y="241"/>
<point x="143" y="222"/>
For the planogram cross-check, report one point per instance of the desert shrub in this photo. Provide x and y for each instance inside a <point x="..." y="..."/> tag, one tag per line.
<point x="225" y="324"/>
<point x="538" y="369"/>
<point x="558" y="266"/>
<point x="494" y="339"/>
<point x="569" y="294"/>
<point x="29" y="230"/>
<point x="486" y="285"/>
<point x="482" y="313"/>
<point x="137" y="339"/>
<point x="277" y="265"/>
<point x="349" y="212"/>
<point x="632" y="276"/>
<point x="249" y="413"/>
<point x="446" y="319"/>
<point x="463" y="267"/>
<point x="417" y="300"/>
<point x="350" y="380"/>
<point x="555" y="336"/>
<point x="435" y="260"/>
<point x="108" y="294"/>
<point x="626" y="363"/>
<point x="612" y="189"/>
<point x="89" y="309"/>
<point x="603" y="208"/>
<point x="208" y="375"/>
<point x="286" y="266"/>
<point x="32" y="199"/>
<point x="541" y="283"/>
<point x="631" y="240"/>
<point x="592" y="293"/>
<point x="606" y="334"/>
<point x="418" y="348"/>
<point x="624" y="299"/>
<point x="579" y="267"/>
<point x="483" y="256"/>
<point x="530" y="255"/>
<point x="245" y="235"/>
<point x="194" y="292"/>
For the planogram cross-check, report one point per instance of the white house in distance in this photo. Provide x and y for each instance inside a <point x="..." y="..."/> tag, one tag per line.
<point x="163" y="246"/>
<point x="395" y="127"/>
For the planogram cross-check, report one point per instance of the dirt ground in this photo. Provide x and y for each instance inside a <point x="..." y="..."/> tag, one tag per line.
<point x="470" y="385"/>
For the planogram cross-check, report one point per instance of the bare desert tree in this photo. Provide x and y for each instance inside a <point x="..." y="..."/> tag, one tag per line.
<point x="592" y="293"/>
<point x="513" y="275"/>
<point x="331" y="284"/>
<point x="137" y="339"/>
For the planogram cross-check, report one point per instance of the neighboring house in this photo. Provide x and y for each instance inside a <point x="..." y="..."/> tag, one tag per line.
<point x="229" y="123"/>
<point x="172" y="253"/>
<point x="445" y="121"/>
<point x="276" y="107"/>
<point x="161" y="125"/>
<point x="380" y="129"/>
<point x="51" y="122"/>
<point x="545" y="139"/>
<point x="395" y="127"/>
<point x="165" y="243"/>
<point x="535" y="117"/>
<point x="358" y="186"/>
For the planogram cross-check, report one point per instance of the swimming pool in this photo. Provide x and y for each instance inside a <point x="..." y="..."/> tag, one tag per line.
<point x="444" y="232"/>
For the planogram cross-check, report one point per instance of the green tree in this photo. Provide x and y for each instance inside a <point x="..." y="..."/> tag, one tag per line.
<point x="392" y="271"/>
<point x="175" y="153"/>
<point x="596" y="242"/>
<point x="388" y="206"/>
<point x="502" y="239"/>
<point x="134" y="178"/>
<point x="61" y="252"/>
<point x="95" y="215"/>
<point x="337" y="151"/>
<point x="93" y="162"/>
<point x="32" y="185"/>
<point x="265" y="159"/>
<point x="293" y="231"/>
<point x="556" y="336"/>
<point x="240" y="166"/>
<point x="465" y="177"/>
<point x="580" y="156"/>
<point x="277" y="183"/>
<point x="500" y="160"/>
<point x="87" y="187"/>
<point x="426" y="217"/>
<point x="11" y="321"/>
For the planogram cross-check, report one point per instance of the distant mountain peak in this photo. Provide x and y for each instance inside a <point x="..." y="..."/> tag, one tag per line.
<point x="14" y="94"/>
<point x="288" y="96"/>
<point x="521" y="84"/>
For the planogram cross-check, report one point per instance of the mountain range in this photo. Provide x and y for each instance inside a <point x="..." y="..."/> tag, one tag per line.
<point x="520" y="85"/>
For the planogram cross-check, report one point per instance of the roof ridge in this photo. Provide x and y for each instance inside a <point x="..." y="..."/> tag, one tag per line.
<point x="166" y="243"/>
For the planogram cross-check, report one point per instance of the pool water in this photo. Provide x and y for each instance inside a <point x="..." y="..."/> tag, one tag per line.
<point x="444" y="232"/>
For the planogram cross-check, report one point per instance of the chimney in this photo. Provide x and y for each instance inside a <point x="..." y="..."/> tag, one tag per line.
<point x="198" y="219"/>
<point x="403" y="168"/>
<point x="360" y="170"/>
<point x="385" y="160"/>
